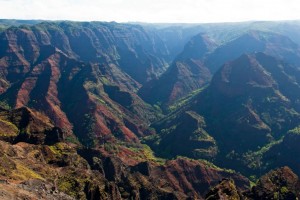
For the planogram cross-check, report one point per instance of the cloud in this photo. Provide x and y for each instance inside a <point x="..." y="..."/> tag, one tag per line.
<point x="151" y="10"/>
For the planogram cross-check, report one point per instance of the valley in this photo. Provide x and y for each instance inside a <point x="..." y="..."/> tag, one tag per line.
<point x="106" y="110"/>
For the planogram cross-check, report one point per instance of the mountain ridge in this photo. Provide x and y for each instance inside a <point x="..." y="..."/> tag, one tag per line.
<point x="74" y="122"/>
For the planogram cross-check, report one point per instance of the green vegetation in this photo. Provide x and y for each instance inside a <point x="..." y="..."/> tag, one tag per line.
<point x="60" y="148"/>
<point x="185" y="100"/>
<point x="140" y="152"/>
<point x="24" y="173"/>
<point x="253" y="160"/>
<point x="8" y="129"/>
<point x="295" y="131"/>
<point x="149" y="155"/>
<point x="211" y="165"/>
<point x="71" y="185"/>
<point x="284" y="190"/>
<point x="4" y="104"/>
<point x="111" y="148"/>
<point x="3" y="27"/>
<point x="105" y="81"/>
<point x="88" y="124"/>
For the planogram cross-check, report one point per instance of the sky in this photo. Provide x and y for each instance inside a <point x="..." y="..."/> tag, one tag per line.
<point x="152" y="11"/>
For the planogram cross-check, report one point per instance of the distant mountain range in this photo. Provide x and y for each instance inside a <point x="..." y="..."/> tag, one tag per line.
<point x="105" y="110"/>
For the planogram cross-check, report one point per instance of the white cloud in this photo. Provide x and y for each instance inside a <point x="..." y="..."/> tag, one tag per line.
<point x="151" y="10"/>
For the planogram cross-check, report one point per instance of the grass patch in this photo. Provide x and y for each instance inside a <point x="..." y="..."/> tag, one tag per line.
<point x="183" y="101"/>
<point x="60" y="148"/>
<point x="8" y="129"/>
<point x="141" y="152"/>
<point x="24" y="173"/>
<point x="68" y="185"/>
<point x="295" y="131"/>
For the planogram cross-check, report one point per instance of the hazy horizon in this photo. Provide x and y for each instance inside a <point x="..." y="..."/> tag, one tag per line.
<point x="155" y="11"/>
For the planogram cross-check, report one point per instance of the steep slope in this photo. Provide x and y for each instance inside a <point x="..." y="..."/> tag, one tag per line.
<point x="273" y="44"/>
<point x="183" y="135"/>
<point x="40" y="162"/>
<point x="226" y="189"/>
<point x="41" y="68"/>
<point x="64" y="171"/>
<point x="73" y="94"/>
<point x="26" y="125"/>
<point x="251" y="101"/>
<point x="284" y="153"/>
<point x="175" y="36"/>
<point x="248" y="107"/>
<point x="71" y="120"/>
<point x="134" y="50"/>
<point x="202" y="57"/>
<point x="187" y="73"/>
<point x="281" y="183"/>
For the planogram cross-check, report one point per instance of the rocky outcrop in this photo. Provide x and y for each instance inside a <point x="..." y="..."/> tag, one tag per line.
<point x="184" y="135"/>
<point x="59" y="170"/>
<point x="27" y="125"/>
<point x="42" y="69"/>
<point x="281" y="183"/>
<point x="226" y="189"/>
<point x="138" y="52"/>
<point x="72" y="119"/>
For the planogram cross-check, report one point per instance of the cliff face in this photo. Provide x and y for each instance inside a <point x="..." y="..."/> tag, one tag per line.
<point x="73" y="116"/>
<point x="271" y="43"/>
<point x="187" y="73"/>
<point x="248" y="107"/>
<point x="138" y="52"/>
<point x="26" y="125"/>
<point x="250" y="98"/>
<point x="202" y="57"/>
<point x="66" y="87"/>
<point x="280" y="183"/>
<point x="285" y="152"/>
<point x="59" y="171"/>
<point x="83" y="76"/>
<point x="183" y="135"/>
<point x="256" y="107"/>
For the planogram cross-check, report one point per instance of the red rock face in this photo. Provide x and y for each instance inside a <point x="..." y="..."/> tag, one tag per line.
<point x="41" y="69"/>
<point x="23" y="94"/>
<point x="183" y="178"/>
<point x="184" y="175"/>
<point x="85" y="173"/>
<point x="39" y="90"/>
<point x="28" y="125"/>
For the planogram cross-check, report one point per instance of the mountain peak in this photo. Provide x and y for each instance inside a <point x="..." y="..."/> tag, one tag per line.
<point x="197" y="47"/>
<point x="236" y="77"/>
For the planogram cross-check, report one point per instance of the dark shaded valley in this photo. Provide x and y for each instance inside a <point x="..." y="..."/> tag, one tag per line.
<point x="98" y="110"/>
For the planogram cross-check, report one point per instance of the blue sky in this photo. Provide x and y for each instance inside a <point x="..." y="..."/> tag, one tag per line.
<point x="189" y="11"/>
